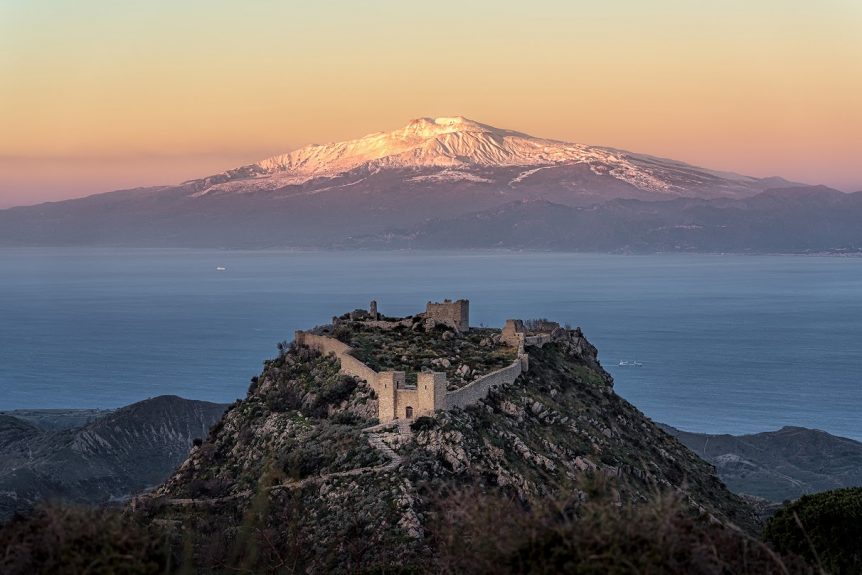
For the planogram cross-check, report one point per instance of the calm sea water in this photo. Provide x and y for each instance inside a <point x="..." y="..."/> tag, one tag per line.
<point x="728" y="343"/>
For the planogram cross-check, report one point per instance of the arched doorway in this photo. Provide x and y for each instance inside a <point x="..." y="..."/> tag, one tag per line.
<point x="409" y="412"/>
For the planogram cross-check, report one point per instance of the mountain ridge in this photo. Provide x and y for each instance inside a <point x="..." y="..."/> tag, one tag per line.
<point x="387" y="184"/>
<point x="457" y="142"/>
<point x="779" y="465"/>
<point x="108" y="459"/>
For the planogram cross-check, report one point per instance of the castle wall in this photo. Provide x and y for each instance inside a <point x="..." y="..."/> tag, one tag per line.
<point x="430" y="392"/>
<point x="537" y="340"/>
<point x="349" y="364"/>
<point x="455" y="314"/>
<point x="387" y="394"/>
<point x="428" y="396"/>
<point x="513" y="333"/>
<point x="405" y="398"/>
<point x="387" y="325"/>
<point x="478" y="389"/>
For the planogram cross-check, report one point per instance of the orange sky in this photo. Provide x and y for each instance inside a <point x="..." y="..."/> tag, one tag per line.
<point x="97" y="95"/>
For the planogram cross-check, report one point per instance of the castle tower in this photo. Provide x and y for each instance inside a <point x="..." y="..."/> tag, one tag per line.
<point x="388" y="383"/>
<point x="372" y="310"/>
<point x="430" y="392"/>
<point x="455" y="314"/>
<point x="513" y="333"/>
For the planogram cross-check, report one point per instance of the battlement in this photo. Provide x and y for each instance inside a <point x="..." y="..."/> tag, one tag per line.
<point x="455" y="314"/>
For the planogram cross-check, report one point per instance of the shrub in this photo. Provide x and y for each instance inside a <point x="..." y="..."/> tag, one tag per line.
<point x="423" y="423"/>
<point x="333" y="395"/>
<point x="825" y="528"/>
<point x="61" y="540"/>
<point x="252" y="386"/>
<point x="480" y="533"/>
<point x="343" y="334"/>
<point x="346" y="418"/>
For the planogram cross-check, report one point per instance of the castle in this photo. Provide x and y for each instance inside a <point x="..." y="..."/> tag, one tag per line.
<point x="397" y="400"/>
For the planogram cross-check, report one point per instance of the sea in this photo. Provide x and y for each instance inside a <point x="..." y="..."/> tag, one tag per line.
<point x="714" y="343"/>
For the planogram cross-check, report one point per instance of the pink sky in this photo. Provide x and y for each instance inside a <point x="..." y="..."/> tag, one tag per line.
<point x="100" y="95"/>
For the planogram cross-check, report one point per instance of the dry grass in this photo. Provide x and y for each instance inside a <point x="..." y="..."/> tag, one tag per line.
<point x="482" y="533"/>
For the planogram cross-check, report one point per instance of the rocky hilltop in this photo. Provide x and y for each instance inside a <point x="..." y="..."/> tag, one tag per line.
<point x="303" y="468"/>
<point x="108" y="459"/>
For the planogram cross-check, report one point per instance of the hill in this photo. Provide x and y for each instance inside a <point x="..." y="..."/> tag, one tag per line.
<point x="779" y="465"/>
<point x="109" y="459"/>
<point x="304" y="468"/>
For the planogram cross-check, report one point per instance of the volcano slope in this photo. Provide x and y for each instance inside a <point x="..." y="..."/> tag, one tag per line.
<point x="300" y="477"/>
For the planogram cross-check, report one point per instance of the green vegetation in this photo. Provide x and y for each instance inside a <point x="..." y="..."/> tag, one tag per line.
<point x="74" y="540"/>
<point x="317" y="411"/>
<point x="480" y="533"/>
<point x="825" y="528"/>
<point x="471" y="531"/>
<point x="519" y="482"/>
<point x="413" y="349"/>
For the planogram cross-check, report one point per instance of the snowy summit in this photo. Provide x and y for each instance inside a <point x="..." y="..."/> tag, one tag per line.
<point x="453" y="143"/>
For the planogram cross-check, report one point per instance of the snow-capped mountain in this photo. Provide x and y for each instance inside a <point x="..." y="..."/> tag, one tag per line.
<point x="453" y="182"/>
<point x="454" y="149"/>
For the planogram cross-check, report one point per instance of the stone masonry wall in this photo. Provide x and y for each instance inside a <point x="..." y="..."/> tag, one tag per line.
<point x="455" y="314"/>
<point x="513" y="333"/>
<point x="408" y="398"/>
<point x="387" y="394"/>
<point x="476" y="390"/>
<point x="430" y="393"/>
<point x="349" y="364"/>
<point x="538" y="340"/>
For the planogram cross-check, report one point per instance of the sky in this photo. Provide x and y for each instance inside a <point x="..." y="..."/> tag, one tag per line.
<point x="97" y="95"/>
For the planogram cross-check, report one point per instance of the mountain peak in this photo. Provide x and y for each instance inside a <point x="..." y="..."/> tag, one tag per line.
<point x="432" y="127"/>
<point x="444" y="142"/>
<point x="459" y="149"/>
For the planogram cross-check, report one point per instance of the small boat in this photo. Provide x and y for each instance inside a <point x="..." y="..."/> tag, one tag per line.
<point x="221" y="269"/>
<point x="631" y="364"/>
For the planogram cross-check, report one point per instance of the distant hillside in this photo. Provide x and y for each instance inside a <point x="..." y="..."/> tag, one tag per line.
<point x="456" y="183"/>
<point x="779" y="465"/>
<point x="110" y="458"/>
<point x="793" y="220"/>
<point x="57" y="419"/>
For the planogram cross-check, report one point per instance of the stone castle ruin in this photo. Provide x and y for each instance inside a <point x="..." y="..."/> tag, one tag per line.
<point x="455" y="314"/>
<point x="399" y="401"/>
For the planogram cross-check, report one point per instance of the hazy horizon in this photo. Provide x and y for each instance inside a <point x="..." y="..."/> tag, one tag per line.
<point x="102" y="97"/>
